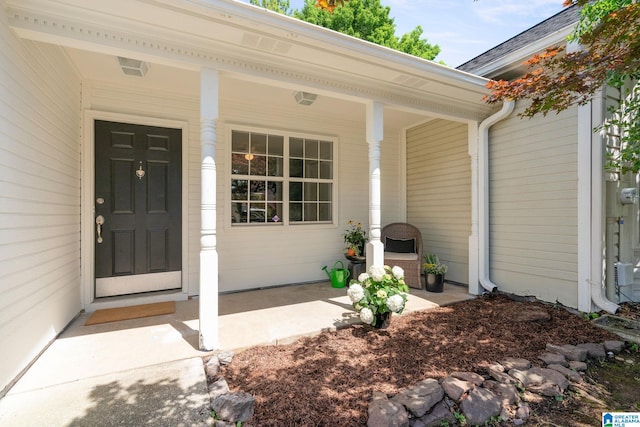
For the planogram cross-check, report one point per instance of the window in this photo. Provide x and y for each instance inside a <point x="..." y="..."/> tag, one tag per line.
<point x="280" y="179"/>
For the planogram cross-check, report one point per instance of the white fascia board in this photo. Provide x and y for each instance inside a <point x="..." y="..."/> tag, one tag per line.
<point x="516" y="58"/>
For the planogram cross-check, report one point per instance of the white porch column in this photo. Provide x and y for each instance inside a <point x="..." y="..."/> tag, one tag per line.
<point x="208" y="253"/>
<point x="375" y="248"/>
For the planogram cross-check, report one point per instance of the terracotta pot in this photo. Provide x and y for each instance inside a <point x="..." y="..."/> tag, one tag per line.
<point x="351" y="252"/>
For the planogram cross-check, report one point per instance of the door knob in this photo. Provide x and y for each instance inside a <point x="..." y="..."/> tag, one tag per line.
<point x="99" y="222"/>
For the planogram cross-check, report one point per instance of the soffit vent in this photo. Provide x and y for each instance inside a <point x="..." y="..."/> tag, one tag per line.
<point x="133" y="67"/>
<point x="411" y="81"/>
<point x="265" y="44"/>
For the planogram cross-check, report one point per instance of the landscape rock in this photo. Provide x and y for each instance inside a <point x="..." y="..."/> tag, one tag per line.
<point x="568" y="373"/>
<point x="508" y="392"/>
<point x="212" y="367"/>
<point x="551" y="358"/>
<point x="421" y="397"/>
<point x="523" y="412"/>
<point x="515" y="363"/>
<point x="456" y="388"/>
<point x="386" y="413"/>
<point x="225" y="357"/>
<point x="496" y="371"/>
<point x="571" y="352"/>
<point x="439" y="416"/>
<point x="218" y="388"/>
<point x="547" y="389"/>
<point x="549" y="375"/>
<point x="472" y="377"/>
<point x="594" y="350"/>
<point x="480" y="405"/>
<point x="614" y="346"/>
<point x="234" y="407"/>
<point x="577" y="366"/>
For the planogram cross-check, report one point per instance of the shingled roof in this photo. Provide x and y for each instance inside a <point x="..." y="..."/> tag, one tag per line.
<point x="557" y="22"/>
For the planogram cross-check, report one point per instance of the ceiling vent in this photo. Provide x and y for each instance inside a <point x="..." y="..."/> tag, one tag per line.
<point x="133" y="67"/>
<point x="305" y="98"/>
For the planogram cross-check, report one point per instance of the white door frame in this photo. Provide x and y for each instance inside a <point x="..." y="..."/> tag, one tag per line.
<point x="87" y="216"/>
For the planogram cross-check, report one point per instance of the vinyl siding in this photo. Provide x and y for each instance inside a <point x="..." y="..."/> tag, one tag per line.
<point x="260" y="256"/>
<point x="439" y="192"/>
<point x="39" y="198"/>
<point x="533" y="206"/>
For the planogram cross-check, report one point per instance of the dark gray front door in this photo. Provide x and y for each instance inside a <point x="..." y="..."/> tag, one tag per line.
<point x="138" y="208"/>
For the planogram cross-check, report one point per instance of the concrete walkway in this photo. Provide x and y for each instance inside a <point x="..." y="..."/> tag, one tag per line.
<point x="149" y="371"/>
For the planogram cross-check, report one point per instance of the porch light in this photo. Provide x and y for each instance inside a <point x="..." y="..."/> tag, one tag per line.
<point x="248" y="156"/>
<point x="133" y="67"/>
<point x="305" y="98"/>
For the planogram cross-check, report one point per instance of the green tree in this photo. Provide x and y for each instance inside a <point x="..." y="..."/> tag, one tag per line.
<point x="280" y="6"/>
<point x="368" y="20"/>
<point x="609" y="33"/>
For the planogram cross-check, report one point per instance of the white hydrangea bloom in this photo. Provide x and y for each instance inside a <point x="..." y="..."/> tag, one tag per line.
<point x="377" y="272"/>
<point x="381" y="293"/>
<point x="398" y="272"/>
<point x="363" y="277"/>
<point x="355" y="292"/>
<point x="366" y="315"/>
<point x="395" y="303"/>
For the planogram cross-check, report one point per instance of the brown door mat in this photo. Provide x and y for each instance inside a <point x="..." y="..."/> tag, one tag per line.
<point x="133" y="312"/>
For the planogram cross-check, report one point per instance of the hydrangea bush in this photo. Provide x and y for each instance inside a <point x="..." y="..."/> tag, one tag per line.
<point x="381" y="290"/>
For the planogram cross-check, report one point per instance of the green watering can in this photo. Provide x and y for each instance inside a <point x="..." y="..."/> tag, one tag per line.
<point x="338" y="276"/>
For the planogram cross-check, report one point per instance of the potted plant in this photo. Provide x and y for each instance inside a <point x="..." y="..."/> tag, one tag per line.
<point x="379" y="293"/>
<point x="434" y="272"/>
<point x="355" y="238"/>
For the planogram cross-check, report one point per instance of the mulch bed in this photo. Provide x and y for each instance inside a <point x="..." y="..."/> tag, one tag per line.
<point x="328" y="380"/>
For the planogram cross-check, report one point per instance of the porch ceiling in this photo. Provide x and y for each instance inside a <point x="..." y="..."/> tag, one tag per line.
<point x="98" y="67"/>
<point x="252" y="44"/>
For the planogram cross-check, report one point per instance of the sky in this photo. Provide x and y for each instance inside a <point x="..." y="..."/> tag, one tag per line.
<point x="465" y="28"/>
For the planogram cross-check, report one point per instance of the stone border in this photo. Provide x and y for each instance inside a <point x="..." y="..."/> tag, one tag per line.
<point x="504" y="391"/>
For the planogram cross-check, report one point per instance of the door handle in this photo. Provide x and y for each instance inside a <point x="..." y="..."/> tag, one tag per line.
<point x="99" y="222"/>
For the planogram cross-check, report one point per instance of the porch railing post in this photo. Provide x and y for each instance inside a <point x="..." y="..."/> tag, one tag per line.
<point x="208" y="253"/>
<point x="375" y="135"/>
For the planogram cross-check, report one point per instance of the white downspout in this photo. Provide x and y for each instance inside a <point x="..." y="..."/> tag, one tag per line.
<point x="595" y="113"/>
<point x="483" y="188"/>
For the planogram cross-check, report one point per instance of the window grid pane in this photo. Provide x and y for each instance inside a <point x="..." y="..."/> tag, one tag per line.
<point x="257" y="200"/>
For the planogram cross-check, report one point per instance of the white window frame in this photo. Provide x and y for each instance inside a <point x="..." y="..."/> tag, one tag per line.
<point x="285" y="179"/>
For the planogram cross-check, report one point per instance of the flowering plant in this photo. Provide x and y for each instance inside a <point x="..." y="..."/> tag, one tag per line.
<point x="433" y="265"/>
<point x="381" y="290"/>
<point x="355" y="237"/>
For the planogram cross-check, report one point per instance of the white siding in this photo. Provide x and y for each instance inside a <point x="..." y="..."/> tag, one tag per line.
<point x="439" y="192"/>
<point x="253" y="257"/>
<point x="533" y="206"/>
<point x="39" y="198"/>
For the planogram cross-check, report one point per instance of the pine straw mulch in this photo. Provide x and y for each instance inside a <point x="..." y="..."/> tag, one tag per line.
<point x="328" y="380"/>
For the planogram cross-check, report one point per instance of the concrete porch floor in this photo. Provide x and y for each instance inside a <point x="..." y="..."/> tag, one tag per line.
<point x="89" y="366"/>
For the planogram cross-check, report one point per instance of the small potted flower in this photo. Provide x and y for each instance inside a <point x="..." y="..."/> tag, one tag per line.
<point x="355" y="238"/>
<point x="434" y="272"/>
<point x="379" y="293"/>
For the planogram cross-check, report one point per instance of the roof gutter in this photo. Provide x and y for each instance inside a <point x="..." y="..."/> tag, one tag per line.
<point x="483" y="187"/>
